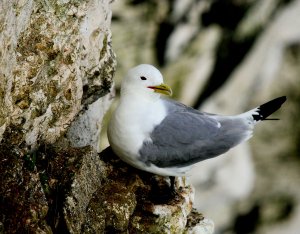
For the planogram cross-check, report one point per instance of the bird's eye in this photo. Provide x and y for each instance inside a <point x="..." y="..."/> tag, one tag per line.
<point x="143" y="78"/>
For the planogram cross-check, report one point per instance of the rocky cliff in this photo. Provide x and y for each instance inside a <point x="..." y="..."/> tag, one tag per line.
<point x="56" y="73"/>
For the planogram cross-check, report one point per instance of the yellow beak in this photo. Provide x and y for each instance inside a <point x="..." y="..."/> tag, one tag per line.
<point x="162" y="88"/>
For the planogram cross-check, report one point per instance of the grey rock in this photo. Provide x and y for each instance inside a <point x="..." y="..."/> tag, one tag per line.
<point x="56" y="59"/>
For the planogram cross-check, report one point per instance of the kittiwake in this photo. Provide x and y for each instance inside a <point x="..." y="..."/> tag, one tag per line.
<point x="165" y="137"/>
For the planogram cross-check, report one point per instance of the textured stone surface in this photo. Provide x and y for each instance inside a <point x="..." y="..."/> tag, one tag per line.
<point x="56" y="61"/>
<point x="86" y="180"/>
<point x="56" y="75"/>
<point x="23" y="202"/>
<point x="86" y="128"/>
<point x="132" y="202"/>
<point x="56" y="58"/>
<point x="106" y="195"/>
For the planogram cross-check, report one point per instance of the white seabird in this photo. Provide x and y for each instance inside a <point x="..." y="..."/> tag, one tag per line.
<point x="165" y="137"/>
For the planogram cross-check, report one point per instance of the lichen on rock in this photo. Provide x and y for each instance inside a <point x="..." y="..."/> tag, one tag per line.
<point x="124" y="202"/>
<point x="57" y="66"/>
<point x="56" y="61"/>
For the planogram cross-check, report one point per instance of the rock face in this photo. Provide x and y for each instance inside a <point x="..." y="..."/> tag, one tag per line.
<point x="56" y="70"/>
<point x="56" y="62"/>
<point x="56" y="59"/>
<point x="120" y="199"/>
<point x="75" y="190"/>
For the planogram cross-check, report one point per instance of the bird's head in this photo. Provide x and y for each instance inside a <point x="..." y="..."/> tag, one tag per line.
<point x="145" y="79"/>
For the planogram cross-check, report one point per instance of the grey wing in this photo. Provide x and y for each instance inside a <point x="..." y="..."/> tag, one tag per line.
<point x="187" y="136"/>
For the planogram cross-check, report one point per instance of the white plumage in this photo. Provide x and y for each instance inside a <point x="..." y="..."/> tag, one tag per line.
<point x="166" y="137"/>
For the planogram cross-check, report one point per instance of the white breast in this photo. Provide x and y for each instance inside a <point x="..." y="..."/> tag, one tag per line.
<point x="131" y="125"/>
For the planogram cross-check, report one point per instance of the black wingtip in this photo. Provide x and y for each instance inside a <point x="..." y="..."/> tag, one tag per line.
<point x="268" y="108"/>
